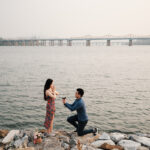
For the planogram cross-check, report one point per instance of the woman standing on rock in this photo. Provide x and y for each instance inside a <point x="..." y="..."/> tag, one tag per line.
<point x="50" y="94"/>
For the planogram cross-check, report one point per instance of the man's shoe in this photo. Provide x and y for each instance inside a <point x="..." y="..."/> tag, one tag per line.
<point x="95" y="131"/>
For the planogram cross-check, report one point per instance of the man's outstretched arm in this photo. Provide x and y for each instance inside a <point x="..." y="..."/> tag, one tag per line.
<point x="73" y="106"/>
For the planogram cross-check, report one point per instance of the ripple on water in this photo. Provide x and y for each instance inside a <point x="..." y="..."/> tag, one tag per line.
<point x="116" y="86"/>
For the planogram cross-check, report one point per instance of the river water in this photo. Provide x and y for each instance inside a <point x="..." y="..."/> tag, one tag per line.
<point x="116" y="81"/>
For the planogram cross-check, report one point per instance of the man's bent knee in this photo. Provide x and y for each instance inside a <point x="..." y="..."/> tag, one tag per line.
<point x="80" y="133"/>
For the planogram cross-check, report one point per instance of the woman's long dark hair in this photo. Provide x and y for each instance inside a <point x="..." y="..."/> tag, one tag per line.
<point x="47" y="86"/>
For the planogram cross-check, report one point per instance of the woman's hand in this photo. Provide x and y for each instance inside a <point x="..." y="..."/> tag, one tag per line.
<point x="64" y="100"/>
<point x="53" y="88"/>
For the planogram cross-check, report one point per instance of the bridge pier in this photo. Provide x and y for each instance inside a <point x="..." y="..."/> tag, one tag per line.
<point x="31" y="43"/>
<point x="108" y="42"/>
<point x="44" y="42"/>
<point x="51" y="43"/>
<point x="37" y="43"/>
<point x="40" y="43"/>
<point x="69" y="42"/>
<point x="60" y="43"/>
<point x="16" y="43"/>
<point x="130" y="42"/>
<point x="7" y="43"/>
<point x="88" y="42"/>
<point x="23" y="43"/>
<point x="27" y="43"/>
<point x="34" y="43"/>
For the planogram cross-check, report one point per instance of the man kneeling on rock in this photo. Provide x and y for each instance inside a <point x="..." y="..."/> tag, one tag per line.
<point x="79" y="120"/>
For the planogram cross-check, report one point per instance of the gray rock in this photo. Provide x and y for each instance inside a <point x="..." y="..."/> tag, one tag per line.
<point x="104" y="136"/>
<point x="18" y="143"/>
<point x="130" y="136"/>
<point x="129" y="145"/>
<point x="142" y="134"/>
<point x="84" y="147"/>
<point x="74" y="148"/>
<point x="30" y="144"/>
<point x="22" y="133"/>
<point x="116" y="137"/>
<point x="64" y="138"/>
<point x="1" y="141"/>
<point x="143" y="148"/>
<point x="100" y="142"/>
<point x="9" y="145"/>
<point x="148" y="135"/>
<point x="10" y="136"/>
<point x="143" y="140"/>
<point x="72" y="142"/>
<point x="30" y="134"/>
<point x="25" y="141"/>
<point x="65" y="145"/>
<point x="21" y="142"/>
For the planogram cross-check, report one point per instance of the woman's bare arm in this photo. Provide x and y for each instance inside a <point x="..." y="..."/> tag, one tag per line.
<point x="56" y="93"/>
<point x="52" y="95"/>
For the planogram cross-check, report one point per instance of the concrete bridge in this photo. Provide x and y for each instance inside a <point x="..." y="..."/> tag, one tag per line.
<point x="68" y="41"/>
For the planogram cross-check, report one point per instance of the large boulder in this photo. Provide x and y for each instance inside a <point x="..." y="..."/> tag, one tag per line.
<point x="143" y="140"/>
<point x="104" y="136"/>
<point x="98" y="143"/>
<point x="10" y="136"/>
<point x="116" y="137"/>
<point x="129" y="145"/>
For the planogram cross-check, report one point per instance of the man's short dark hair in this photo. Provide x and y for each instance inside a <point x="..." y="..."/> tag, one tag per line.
<point x="80" y="91"/>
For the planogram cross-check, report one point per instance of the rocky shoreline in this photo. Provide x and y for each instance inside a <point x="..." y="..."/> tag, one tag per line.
<point x="62" y="140"/>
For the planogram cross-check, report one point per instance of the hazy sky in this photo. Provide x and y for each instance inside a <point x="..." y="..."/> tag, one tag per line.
<point x="67" y="18"/>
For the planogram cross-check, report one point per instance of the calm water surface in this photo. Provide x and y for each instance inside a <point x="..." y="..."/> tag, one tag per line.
<point x="116" y="81"/>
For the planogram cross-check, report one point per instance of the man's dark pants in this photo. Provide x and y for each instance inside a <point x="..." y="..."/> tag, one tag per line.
<point x="79" y="125"/>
